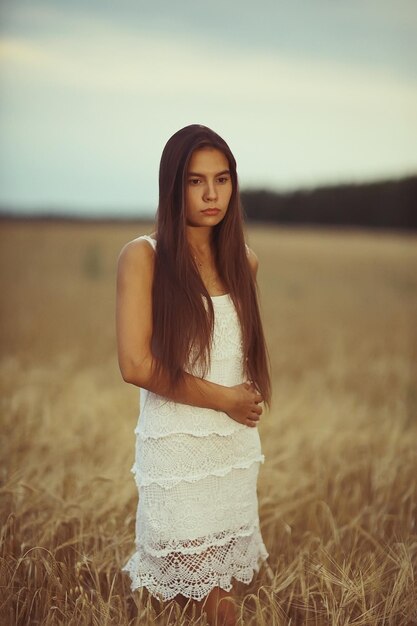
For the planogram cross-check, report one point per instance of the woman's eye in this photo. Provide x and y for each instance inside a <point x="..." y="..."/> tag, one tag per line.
<point x="194" y="181"/>
<point x="223" y="179"/>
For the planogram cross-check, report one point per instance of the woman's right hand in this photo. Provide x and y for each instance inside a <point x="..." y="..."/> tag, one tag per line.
<point x="243" y="404"/>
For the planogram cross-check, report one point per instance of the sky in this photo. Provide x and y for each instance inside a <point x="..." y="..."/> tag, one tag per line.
<point x="305" y="92"/>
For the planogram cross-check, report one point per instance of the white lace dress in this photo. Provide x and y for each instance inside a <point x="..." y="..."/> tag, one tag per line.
<point x="197" y="523"/>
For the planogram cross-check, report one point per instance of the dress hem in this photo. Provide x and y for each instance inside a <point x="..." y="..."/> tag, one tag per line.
<point x="150" y="585"/>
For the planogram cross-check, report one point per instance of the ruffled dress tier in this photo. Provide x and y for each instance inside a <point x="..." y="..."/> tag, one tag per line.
<point x="196" y="470"/>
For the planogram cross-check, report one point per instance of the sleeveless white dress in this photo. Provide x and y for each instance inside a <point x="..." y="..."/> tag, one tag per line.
<point x="196" y="470"/>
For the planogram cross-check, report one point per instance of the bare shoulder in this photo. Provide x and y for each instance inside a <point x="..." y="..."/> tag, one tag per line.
<point x="136" y="256"/>
<point x="253" y="260"/>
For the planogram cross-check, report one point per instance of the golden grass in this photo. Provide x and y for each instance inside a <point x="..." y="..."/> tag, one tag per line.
<point x="337" y="493"/>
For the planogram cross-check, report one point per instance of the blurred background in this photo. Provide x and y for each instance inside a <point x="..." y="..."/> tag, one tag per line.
<point x="318" y="101"/>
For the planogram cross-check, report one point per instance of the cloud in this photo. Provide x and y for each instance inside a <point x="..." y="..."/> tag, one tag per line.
<point x="151" y="64"/>
<point x="373" y="33"/>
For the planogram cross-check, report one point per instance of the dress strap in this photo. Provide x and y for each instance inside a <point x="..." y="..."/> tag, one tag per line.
<point x="149" y="239"/>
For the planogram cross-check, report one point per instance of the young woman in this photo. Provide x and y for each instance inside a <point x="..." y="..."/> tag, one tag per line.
<point x="190" y="337"/>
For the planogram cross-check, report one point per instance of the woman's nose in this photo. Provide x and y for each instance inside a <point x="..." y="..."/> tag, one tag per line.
<point x="210" y="191"/>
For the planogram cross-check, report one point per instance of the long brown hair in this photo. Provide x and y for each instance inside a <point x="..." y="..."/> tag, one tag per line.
<point x="182" y="319"/>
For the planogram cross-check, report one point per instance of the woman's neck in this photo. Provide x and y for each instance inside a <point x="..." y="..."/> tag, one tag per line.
<point x="200" y="238"/>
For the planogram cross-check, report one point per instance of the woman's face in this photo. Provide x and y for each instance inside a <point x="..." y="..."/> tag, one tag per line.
<point x="208" y="187"/>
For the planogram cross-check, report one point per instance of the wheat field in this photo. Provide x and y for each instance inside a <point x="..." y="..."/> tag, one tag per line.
<point x="337" y="491"/>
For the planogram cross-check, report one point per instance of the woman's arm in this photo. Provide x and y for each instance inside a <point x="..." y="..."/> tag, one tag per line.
<point x="134" y="333"/>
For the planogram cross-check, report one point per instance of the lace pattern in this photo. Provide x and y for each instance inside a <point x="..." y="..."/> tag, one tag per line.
<point x="194" y="575"/>
<point x="168" y="517"/>
<point x="181" y="457"/>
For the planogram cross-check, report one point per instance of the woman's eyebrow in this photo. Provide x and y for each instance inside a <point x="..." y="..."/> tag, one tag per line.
<point x="203" y="175"/>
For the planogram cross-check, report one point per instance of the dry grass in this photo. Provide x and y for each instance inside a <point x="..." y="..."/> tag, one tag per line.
<point x="337" y="493"/>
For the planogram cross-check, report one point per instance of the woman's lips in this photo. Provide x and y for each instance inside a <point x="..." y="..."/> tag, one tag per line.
<point x="211" y="211"/>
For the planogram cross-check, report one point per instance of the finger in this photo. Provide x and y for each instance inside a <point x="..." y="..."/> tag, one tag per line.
<point x="247" y="384"/>
<point x="258" y="398"/>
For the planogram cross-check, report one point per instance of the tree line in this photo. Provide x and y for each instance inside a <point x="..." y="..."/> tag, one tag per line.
<point x="384" y="204"/>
